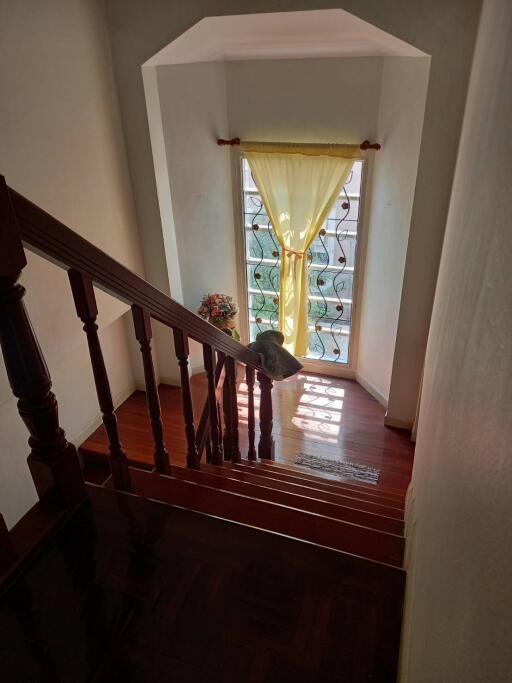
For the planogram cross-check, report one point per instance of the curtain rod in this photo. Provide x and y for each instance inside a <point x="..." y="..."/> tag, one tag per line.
<point x="366" y="144"/>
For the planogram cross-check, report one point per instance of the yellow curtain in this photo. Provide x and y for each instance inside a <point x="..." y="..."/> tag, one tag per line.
<point x="298" y="186"/>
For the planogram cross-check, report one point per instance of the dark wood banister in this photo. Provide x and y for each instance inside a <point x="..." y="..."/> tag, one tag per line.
<point x="49" y="237"/>
<point x="53" y="461"/>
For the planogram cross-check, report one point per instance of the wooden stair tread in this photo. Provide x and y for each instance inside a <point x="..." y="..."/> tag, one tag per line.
<point x="306" y="489"/>
<point x="324" y="531"/>
<point x="345" y="483"/>
<point x="302" y="499"/>
<point x="318" y="483"/>
<point x="96" y="471"/>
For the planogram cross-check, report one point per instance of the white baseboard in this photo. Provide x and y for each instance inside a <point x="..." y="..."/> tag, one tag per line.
<point x="397" y="423"/>
<point x="372" y="390"/>
<point x="175" y="381"/>
<point x="93" y="424"/>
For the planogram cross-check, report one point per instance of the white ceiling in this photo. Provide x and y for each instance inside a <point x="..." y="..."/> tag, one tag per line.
<point x="282" y="35"/>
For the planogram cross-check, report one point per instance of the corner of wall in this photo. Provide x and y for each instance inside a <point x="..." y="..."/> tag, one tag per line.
<point x="400" y="124"/>
<point x="157" y="138"/>
<point x="371" y="389"/>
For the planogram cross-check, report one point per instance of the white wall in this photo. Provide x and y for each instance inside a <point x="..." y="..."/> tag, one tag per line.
<point x="449" y="69"/>
<point x="61" y="145"/>
<point x="304" y="100"/>
<point x="401" y="110"/>
<point x="194" y="115"/>
<point x="459" y="592"/>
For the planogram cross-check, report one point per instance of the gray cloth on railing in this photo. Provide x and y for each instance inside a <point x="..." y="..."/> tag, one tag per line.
<point x="277" y="362"/>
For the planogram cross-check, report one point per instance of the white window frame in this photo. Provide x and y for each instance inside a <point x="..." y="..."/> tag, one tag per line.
<point x="320" y="367"/>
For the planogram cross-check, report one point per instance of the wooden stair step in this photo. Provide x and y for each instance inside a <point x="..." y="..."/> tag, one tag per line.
<point x="324" y="531"/>
<point x="354" y="496"/>
<point x="98" y="473"/>
<point x="318" y="483"/>
<point x="347" y="483"/>
<point x="282" y="473"/>
<point x="227" y="481"/>
<point x="303" y="488"/>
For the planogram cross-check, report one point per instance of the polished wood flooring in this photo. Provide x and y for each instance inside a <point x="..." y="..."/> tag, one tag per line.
<point x="136" y="591"/>
<point x="312" y="413"/>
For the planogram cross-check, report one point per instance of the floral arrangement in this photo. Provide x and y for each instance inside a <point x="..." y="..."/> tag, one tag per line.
<point x="217" y="306"/>
<point x="220" y="310"/>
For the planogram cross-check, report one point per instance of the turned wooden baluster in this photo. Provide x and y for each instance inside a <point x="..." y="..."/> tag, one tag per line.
<point x="266" y="443"/>
<point x="182" y="353"/>
<point x="52" y="461"/>
<point x="225" y="411"/>
<point x="221" y="431"/>
<point x="87" y="311"/>
<point x="208" y="449"/>
<point x="143" y="333"/>
<point x="249" y="379"/>
<point x="216" y="443"/>
<point x="233" y="408"/>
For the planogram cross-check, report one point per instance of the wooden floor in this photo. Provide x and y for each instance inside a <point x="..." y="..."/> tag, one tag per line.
<point x="135" y="591"/>
<point x="312" y="413"/>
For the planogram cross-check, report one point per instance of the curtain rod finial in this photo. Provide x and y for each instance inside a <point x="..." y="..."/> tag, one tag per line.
<point x="366" y="144"/>
<point x="234" y="141"/>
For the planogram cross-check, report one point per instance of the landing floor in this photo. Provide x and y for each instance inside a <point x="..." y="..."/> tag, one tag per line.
<point x="312" y="413"/>
<point x="135" y="591"/>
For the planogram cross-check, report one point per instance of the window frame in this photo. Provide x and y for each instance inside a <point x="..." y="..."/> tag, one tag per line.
<point x="321" y="367"/>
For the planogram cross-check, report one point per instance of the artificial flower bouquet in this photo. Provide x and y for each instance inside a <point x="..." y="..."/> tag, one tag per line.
<point x="220" y="310"/>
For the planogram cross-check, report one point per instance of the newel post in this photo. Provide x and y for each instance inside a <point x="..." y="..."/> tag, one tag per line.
<point x="52" y="461"/>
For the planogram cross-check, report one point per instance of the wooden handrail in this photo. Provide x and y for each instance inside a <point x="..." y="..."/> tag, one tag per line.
<point x="50" y="238"/>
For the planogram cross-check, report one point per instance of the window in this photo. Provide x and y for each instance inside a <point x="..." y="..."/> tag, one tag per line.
<point x="331" y="267"/>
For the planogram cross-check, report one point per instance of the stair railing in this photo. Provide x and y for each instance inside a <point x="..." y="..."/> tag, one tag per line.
<point x="52" y="460"/>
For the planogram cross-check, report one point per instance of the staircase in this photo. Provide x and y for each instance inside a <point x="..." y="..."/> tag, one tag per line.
<point x="356" y="527"/>
<point x="348" y="517"/>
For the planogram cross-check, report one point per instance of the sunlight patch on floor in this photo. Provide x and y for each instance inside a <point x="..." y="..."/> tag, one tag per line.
<point x="318" y="412"/>
<point x="323" y="390"/>
<point x="315" y="378"/>
<point x="315" y="427"/>
<point x="321" y="401"/>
